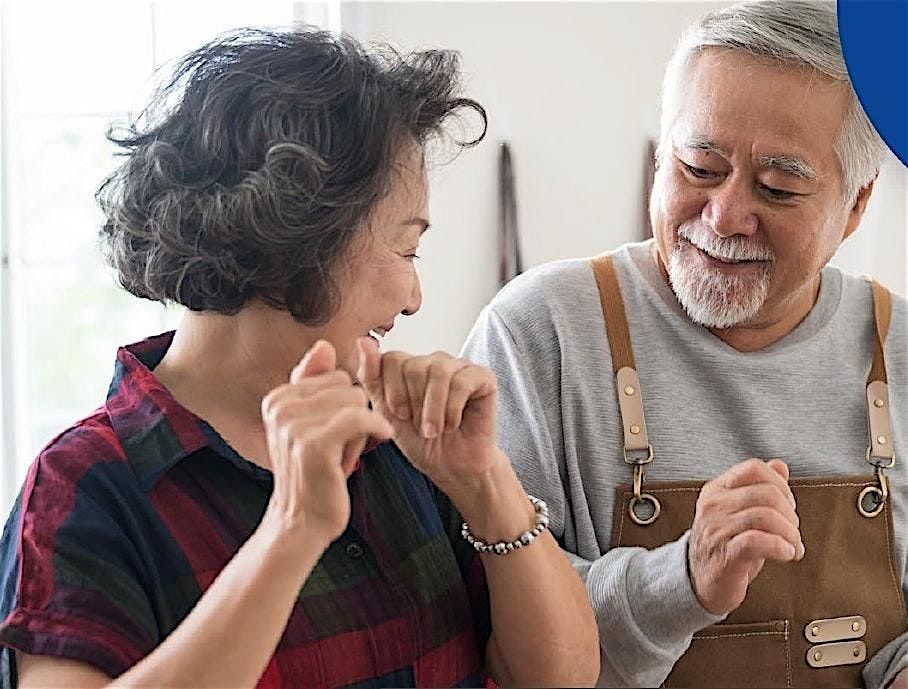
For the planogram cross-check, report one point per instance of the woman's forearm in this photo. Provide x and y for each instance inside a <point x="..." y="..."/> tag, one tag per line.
<point x="544" y="632"/>
<point x="232" y="632"/>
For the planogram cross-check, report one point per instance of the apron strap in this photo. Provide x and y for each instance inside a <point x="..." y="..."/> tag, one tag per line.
<point x="627" y="382"/>
<point x="881" y="452"/>
<point x="882" y="313"/>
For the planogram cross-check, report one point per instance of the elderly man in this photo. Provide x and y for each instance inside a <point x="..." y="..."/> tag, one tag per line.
<point x="697" y="409"/>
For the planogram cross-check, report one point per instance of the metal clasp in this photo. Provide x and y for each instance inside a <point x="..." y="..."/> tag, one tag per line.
<point x="878" y="461"/>
<point x="641" y="498"/>
<point x="638" y="462"/>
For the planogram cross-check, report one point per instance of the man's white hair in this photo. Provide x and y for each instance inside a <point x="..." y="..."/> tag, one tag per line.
<point x="801" y="33"/>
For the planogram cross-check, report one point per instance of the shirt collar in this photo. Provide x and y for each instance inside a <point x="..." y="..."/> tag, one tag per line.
<point x="155" y="431"/>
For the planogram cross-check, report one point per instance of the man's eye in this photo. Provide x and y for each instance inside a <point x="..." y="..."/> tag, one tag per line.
<point x="778" y="194"/>
<point x="699" y="172"/>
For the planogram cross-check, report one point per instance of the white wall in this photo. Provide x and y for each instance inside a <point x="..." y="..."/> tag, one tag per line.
<point x="574" y="87"/>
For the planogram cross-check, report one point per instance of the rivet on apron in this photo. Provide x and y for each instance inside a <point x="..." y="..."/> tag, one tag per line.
<point x="635" y="429"/>
<point x="881" y="439"/>
<point x="629" y="390"/>
<point x="818" y="656"/>
<point x="878" y="403"/>
<point x="856" y="626"/>
<point x="814" y="631"/>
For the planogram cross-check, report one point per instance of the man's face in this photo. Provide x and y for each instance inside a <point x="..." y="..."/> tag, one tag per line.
<point x="747" y="205"/>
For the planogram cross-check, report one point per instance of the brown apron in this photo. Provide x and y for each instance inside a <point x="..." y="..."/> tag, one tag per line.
<point x="812" y="623"/>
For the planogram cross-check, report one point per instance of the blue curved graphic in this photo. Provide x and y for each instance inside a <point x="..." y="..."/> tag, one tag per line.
<point x="874" y="36"/>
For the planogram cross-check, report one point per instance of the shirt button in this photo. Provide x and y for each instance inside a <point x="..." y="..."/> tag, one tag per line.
<point x="354" y="550"/>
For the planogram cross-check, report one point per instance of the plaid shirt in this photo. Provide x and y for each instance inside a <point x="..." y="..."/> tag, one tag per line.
<point x="126" y="518"/>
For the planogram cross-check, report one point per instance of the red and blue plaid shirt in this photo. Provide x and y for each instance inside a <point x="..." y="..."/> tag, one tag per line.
<point x="126" y="518"/>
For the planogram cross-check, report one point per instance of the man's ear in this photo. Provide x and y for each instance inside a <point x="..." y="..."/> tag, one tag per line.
<point x="856" y="212"/>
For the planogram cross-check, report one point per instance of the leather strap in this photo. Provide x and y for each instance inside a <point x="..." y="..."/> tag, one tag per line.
<point x="878" y="415"/>
<point x="882" y="313"/>
<point x="619" y="338"/>
<point x="627" y="383"/>
<point x="630" y="397"/>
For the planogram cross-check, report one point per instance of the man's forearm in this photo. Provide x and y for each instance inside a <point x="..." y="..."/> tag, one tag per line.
<point x="646" y="610"/>
<point x="888" y="669"/>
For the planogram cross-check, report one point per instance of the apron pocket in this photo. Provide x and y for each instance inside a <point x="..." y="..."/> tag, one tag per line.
<point x="755" y="654"/>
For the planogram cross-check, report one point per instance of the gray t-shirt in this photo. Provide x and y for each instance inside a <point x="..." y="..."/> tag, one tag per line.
<point x="708" y="407"/>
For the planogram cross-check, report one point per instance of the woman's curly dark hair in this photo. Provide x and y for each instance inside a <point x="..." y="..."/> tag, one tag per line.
<point x="255" y="182"/>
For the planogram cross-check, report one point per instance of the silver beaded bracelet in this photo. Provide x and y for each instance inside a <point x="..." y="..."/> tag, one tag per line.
<point x="505" y="547"/>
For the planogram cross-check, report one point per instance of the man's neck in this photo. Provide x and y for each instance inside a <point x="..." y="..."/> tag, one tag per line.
<point x="767" y="329"/>
<point x="753" y="337"/>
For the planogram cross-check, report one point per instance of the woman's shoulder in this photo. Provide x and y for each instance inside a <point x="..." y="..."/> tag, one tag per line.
<point x="87" y="447"/>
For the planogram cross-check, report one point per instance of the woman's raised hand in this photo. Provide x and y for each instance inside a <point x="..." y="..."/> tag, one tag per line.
<point x="442" y="409"/>
<point x="316" y="426"/>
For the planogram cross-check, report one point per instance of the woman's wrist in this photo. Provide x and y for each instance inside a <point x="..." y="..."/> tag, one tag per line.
<point x="495" y="505"/>
<point x="293" y="540"/>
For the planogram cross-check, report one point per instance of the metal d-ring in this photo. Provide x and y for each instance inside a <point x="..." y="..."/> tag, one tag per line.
<point x="639" y="499"/>
<point x="881" y="495"/>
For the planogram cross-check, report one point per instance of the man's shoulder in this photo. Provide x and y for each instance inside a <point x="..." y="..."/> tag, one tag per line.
<point x="856" y="287"/>
<point x="551" y="277"/>
<point x="564" y="283"/>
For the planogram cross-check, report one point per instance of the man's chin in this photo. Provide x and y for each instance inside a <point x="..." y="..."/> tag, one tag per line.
<point x="716" y="300"/>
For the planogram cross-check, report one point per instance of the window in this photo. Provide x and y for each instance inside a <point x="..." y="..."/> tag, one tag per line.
<point x="67" y="73"/>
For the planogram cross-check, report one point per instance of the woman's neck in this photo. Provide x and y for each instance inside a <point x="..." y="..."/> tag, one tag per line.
<point x="224" y="365"/>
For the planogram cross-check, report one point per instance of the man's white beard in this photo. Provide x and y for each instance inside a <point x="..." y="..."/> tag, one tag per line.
<point x="712" y="298"/>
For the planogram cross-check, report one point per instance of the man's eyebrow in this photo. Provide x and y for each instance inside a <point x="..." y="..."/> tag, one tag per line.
<point x="791" y="165"/>
<point x="788" y="164"/>
<point x="701" y="143"/>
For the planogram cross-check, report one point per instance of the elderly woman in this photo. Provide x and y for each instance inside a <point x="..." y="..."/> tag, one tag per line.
<point x="238" y="514"/>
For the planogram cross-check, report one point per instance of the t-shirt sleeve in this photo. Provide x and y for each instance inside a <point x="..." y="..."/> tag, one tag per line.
<point x="71" y="581"/>
<point x="529" y="425"/>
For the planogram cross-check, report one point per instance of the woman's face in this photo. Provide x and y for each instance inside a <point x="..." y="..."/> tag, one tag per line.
<point x="379" y="281"/>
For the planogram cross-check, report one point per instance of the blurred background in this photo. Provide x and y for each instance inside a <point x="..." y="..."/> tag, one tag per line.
<point x="572" y="88"/>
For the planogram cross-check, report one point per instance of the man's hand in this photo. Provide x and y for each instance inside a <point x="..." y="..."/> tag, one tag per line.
<point x="743" y="518"/>
<point x="900" y="681"/>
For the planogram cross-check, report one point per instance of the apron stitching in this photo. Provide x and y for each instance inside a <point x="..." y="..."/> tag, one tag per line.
<point x="734" y="636"/>
<point x="621" y="523"/>
<point x="657" y="491"/>
<point x="890" y="559"/>
<point x="787" y="656"/>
